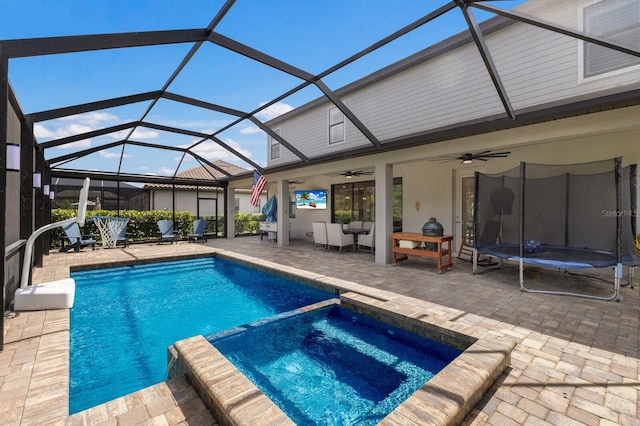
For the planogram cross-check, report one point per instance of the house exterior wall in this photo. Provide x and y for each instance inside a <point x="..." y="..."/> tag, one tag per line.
<point x="430" y="182"/>
<point x="162" y="199"/>
<point x="536" y="66"/>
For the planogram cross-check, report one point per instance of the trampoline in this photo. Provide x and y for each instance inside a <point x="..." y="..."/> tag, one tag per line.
<point x="555" y="256"/>
<point x="559" y="216"/>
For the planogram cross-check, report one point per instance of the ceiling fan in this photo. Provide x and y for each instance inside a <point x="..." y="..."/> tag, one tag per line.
<point x="355" y="173"/>
<point x="467" y="157"/>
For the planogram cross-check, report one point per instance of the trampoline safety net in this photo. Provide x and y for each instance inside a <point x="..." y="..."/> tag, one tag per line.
<point x="568" y="213"/>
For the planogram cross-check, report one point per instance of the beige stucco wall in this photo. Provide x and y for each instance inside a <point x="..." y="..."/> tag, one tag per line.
<point x="187" y="201"/>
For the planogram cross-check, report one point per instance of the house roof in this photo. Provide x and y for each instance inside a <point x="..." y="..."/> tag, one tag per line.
<point x="200" y="39"/>
<point x="202" y="173"/>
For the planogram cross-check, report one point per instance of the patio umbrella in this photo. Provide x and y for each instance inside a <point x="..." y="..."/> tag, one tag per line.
<point x="269" y="209"/>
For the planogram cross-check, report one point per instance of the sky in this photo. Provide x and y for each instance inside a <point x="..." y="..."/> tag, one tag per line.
<point x="312" y="35"/>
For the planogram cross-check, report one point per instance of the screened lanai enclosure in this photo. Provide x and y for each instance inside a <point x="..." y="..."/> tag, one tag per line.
<point x="129" y="102"/>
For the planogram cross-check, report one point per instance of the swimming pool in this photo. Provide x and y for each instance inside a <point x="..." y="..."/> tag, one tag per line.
<point x="124" y="318"/>
<point x="333" y="366"/>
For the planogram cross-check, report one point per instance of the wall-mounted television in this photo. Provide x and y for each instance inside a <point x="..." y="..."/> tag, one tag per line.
<point x="311" y="199"/>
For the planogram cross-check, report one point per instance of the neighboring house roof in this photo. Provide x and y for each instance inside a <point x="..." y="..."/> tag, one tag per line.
<point x="204" y="172"/>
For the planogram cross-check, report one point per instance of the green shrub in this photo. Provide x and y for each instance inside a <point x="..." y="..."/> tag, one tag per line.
<point x="143" y="226"/>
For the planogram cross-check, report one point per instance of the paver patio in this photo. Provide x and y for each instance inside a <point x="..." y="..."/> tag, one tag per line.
<point x="576" y="362"/>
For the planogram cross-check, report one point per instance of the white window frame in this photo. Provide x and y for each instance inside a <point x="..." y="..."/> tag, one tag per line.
<point x="273" y="143"/>
<point x="582" y="77"/>
<point x="331" y="126"/>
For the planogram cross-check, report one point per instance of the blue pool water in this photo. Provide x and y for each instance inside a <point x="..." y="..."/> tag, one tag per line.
<point x="124" y="318"/>
<point x="332" y="366"/>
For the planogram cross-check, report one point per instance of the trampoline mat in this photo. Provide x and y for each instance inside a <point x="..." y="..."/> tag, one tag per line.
<point x="555" y="256"/>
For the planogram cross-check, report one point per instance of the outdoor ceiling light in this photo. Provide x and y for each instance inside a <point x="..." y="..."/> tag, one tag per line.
<point x="37" y="179"/>
<point x="13" y="157"/>
<point x="52" y="195"/>
<point x="45" y="189"/>
<point x="467" y="161"/>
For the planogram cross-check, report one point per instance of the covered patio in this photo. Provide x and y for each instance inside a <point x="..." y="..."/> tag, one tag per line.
<point x="576" y="362"/>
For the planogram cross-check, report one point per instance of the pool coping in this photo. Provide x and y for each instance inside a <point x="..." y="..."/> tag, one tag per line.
<point x="444" y="400"/>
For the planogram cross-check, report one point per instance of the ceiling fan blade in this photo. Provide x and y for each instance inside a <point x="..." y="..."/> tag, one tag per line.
<point x="498" y="154"/>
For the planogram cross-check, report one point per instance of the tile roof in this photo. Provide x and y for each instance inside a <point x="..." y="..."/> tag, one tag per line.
<point x="203" y="172"/>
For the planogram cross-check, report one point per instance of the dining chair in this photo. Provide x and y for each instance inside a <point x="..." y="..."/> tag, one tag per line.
<point x="319" y="235"/>
<point x="368" y="240"/>
<point x="356" y="224"/>
<point x="337" y="238"/>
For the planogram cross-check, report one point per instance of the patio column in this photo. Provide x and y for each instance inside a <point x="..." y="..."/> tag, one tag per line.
<point x="384" y="212"/>
<point x="230" y="212"/>
<point x="282" y="213"/>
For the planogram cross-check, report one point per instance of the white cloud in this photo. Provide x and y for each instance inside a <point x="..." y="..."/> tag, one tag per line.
<point x="62" y="128"/>
<point x="166" y="171"/>
<point x="140" y="133"/>
<point x="42" y="132"/>
<point x="72" y="129"/>
<point x="144" y="167"/>
<point x="85" y="143"/>
<point x="251" y="130"/>
<point x="273" y="111"/>
<point x="92" y="119"/>
<point x="212" y="151"/>
<point x="108" y="154"/>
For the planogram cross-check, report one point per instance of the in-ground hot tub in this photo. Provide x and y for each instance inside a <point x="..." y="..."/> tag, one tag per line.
<point x="469" y="366"/>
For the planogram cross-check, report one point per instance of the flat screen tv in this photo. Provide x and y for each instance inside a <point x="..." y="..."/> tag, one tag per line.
<point x="311" y="199"/>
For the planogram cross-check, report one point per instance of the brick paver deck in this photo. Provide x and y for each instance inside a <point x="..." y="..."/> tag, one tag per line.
<point x="576" y="362"/>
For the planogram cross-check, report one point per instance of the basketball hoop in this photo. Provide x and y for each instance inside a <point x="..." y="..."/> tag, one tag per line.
<point x="110" y="228"/>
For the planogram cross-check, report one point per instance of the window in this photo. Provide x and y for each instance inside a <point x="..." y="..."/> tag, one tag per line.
<point x="292" y="204"/>
<point x="236" y="205"/>
<point x="356" y="201"/>
<point x="336" y="126"/>
<point x="617" y="21"/>
<point x="275" y="146"/>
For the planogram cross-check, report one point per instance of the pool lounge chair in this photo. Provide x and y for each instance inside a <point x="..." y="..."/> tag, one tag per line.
<point x="75" y="239"/>
<point x="199" y="226"/>
<point x="165" y="231"/>
<point x="123" y="237"/>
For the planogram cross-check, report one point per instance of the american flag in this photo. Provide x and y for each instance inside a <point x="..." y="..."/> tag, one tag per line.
<point x="259" y="182"/>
